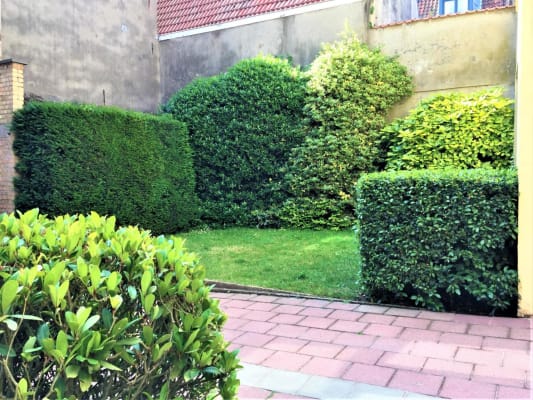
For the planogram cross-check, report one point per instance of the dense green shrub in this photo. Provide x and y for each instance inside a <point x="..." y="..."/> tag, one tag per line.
<point x="242" y="126"/>
<point x="461" y="130"/>
<point x="440" y="238"/>
<point x="351" y="87"/>
<point x="80" y="158"/>
<point x="94" y="312"/>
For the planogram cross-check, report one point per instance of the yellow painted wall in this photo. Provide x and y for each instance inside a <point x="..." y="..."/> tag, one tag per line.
<point x="524" y="153"/>
<point x="462" y="52"/>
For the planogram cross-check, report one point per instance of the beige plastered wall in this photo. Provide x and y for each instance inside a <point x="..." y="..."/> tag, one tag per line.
<point x="299" y="36"/>
<point x="98" y="51"/>
<point x="463" y="52"/>
<point x="524" y="155"/>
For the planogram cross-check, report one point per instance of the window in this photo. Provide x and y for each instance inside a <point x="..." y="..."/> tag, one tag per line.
<point x="457" y="6"/>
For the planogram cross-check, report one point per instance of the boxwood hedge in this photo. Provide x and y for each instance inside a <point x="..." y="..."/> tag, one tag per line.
<point x="444" y="239"/>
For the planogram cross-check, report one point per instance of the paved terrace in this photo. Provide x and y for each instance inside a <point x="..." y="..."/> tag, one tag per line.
<point x="297" y="348"/>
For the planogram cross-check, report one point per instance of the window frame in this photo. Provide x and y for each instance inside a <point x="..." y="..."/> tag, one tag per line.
<point x="456" y="2"/>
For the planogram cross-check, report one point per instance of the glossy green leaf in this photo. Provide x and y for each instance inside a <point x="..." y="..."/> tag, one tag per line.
<point x="9" y="293"/>
<point x="72" y="371"/>
<point x="146" y="280"/>
<point x="62" y="343"/>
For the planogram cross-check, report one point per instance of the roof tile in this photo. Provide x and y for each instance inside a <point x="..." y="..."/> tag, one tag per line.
<point x="179" y="15"/>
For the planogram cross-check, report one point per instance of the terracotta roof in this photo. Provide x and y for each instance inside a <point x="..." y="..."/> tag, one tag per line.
<point x="180" y="15"/>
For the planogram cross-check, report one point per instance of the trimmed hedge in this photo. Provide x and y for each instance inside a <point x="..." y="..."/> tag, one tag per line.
<point x="459" y="130"/>
<point x="443" y="239"/>
<point x="82" y="158"/>
<point x="242" y="126"/>
<point x="94" y="312"/>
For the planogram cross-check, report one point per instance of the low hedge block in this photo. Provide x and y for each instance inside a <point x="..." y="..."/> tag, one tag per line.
<point x="443" y="239"/>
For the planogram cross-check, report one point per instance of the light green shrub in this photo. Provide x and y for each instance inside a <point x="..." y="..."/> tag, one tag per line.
<point x="94" y="312"/>
<point x="351" y="87"/>
<point x="461" y="130"/>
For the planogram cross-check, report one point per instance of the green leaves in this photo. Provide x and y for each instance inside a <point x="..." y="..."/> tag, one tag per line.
<point x="350" y="89"/>
<point x="9" y="293"/>
<point x="243" y="125"/>
<point x="105" y="305"/>
<point x="460" y="130"/>
<point x="87" y="155"/>
<point x="443" y="238"/>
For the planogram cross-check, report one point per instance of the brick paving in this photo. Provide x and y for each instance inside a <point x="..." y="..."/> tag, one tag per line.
<point x="446" y="355"/>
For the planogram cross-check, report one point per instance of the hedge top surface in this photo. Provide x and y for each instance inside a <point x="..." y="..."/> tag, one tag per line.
<point x="441" y="175"/>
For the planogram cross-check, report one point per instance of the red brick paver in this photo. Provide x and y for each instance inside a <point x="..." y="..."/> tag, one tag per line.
<point x="439" y="354"/>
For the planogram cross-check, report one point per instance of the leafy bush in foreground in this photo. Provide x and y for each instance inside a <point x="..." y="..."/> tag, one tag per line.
<point x="94" y="312"/>
<point x="350" y="90"/>
<point x="242" y="126"/>
<point x="441" y="239"/>
<point x="81" y="158"/>
<point x="460" y="130"/>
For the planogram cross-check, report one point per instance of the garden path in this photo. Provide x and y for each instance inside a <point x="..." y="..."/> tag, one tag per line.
<point x="301" y="348"/>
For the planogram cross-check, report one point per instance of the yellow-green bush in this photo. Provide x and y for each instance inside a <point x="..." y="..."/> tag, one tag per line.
<point x="94" y="312"/>
<point x="461" y="130"/>
<point x="350" y="89"/>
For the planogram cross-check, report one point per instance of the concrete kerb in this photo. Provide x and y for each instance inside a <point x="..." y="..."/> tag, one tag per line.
<point x="228" y="287"/>
<point x="317" y="387"/>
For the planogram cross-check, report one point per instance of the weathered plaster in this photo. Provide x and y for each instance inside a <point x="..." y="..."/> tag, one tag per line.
<point x="299" y="36"/>
<point x="86" y="51"/>
<point x="453" y="53"/>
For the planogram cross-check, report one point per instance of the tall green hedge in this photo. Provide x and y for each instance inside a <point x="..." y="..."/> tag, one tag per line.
<point x="242" y="126"/>
<point x="81" y="158"/>
<point x="440" y="239"/>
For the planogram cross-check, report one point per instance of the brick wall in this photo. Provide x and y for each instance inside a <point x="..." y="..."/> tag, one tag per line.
<point x="11" y="99"/>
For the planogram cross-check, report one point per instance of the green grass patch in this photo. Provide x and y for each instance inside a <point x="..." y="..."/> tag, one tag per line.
<point x="322" y="263"/>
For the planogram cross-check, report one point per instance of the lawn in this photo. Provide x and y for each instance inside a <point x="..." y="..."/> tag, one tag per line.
<point x="322" y="263"/>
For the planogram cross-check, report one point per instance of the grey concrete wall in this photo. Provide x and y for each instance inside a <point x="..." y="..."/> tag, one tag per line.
<point x="453" y="53"/>
<point x="299" y="36"/>
<point x="85" y="51"/>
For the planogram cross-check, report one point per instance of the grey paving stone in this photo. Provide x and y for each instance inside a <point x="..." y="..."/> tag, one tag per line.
<point x="318" y="387"/>
<point x="272" y="379"/>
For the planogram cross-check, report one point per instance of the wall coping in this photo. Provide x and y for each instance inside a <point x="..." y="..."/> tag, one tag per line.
<point x="11" y="61"/>
<point x="255" y="19"/>
<point x="437" y="17"/>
